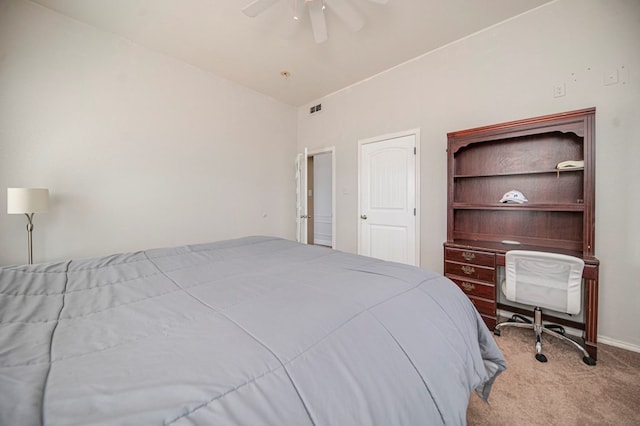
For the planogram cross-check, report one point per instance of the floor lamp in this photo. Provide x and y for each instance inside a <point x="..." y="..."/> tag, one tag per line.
<point x="27" y="201"/>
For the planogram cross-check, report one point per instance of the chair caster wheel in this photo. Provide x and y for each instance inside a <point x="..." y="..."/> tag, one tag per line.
<point x="588" y="360"/>
<point x="542" y="358"/>
<point x="496" y="331"/>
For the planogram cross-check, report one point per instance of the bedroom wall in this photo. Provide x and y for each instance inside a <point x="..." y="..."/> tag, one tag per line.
<point x="138" y="150"/>
<point x="504" y="73"/>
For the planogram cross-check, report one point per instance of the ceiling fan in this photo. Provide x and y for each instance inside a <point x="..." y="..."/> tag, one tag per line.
<point x="347" y="13"/>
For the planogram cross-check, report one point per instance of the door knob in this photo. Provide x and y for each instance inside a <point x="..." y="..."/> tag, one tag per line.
<point x="363" y="216"/>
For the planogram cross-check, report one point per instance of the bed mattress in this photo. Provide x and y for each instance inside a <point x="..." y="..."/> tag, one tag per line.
<point x="252" y="331"/>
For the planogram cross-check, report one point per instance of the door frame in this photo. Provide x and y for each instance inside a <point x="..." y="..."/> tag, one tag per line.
<point x="302" y="207"/>
<point x="381" y="138"/>
<point x="328" y="150"/>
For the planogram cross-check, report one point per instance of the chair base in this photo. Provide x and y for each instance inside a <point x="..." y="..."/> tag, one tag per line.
<point x="537" y="326"/>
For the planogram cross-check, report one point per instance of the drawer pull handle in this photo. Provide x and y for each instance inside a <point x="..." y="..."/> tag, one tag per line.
<point x="468" y="286"/>
<point x="468" y="256"/>
<point x="468" y="269"/>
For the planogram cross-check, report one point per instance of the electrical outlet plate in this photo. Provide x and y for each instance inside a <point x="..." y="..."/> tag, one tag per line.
<point x="559" y="90"/>
<point x="611" y="76"/>
<point x="618" y="75"/>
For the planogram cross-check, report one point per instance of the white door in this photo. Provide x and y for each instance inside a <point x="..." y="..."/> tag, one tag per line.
<point x="388" y="199"/>
<point x="301" y="197"/>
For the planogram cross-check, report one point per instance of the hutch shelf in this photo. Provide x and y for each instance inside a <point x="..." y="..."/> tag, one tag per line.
<point x="486" y="162"/>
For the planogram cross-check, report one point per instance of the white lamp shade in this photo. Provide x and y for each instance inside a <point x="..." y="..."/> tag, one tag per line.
<point x="27" y="200"/>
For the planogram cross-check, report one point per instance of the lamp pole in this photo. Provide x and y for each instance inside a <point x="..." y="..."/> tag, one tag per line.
<point x="29" y="235"/>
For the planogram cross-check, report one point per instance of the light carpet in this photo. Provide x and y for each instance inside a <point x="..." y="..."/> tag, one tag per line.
<point x="563" y="391"/>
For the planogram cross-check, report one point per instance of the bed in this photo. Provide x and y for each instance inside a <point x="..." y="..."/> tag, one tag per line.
<point x="251" y="331"/>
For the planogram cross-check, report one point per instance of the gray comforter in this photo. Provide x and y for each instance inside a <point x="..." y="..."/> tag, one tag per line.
<point x="254" y="331"/>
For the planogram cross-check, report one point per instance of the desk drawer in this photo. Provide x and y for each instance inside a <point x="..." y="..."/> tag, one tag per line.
<point x="475" y="257"/>
<point x="484" y="306"/>
<point x="470" y="271"/>
<point x="475" y="288"/>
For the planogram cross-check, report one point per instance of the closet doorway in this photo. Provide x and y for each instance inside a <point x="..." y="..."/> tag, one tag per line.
<point x="316" y="197"/>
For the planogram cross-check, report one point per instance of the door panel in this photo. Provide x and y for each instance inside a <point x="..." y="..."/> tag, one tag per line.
<point x="395" y="249"/>
<point x="388" y="178"/>
<point x="388" y="199"/>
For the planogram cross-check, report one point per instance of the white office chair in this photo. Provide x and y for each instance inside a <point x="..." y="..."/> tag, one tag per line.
<point x="547" y="280"/>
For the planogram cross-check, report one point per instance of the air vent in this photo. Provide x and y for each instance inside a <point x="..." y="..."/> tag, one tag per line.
<point x="315" y="109"/>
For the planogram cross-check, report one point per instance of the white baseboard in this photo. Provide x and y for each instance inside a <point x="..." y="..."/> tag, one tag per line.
<point x="618" y="344"/>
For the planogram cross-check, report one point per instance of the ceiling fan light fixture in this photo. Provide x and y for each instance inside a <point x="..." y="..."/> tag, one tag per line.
<point x="316" y="8"/>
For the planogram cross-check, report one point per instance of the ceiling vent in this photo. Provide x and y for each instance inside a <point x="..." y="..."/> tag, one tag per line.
<point x="315" y="109"/>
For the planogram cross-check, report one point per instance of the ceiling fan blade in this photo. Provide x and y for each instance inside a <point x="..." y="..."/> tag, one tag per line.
<point x="318" y="23"/>
<point x="256" y="7"/>
<point x="347" y="13"/>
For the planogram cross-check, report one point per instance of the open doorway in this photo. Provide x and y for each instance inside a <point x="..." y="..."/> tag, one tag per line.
<point x="320" y="199"/>
<point x="316" y="197"/>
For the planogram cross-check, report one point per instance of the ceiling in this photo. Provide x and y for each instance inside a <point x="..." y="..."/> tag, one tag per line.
<point x="216" y="36"/>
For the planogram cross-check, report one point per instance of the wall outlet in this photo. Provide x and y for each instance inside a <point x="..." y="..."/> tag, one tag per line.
<point x="559" y="90"/>
<point x="618" y="75"/>
<point x="611" y="76"/>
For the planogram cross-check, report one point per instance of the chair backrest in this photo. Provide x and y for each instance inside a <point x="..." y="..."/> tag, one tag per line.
<point x="546" y="280"/>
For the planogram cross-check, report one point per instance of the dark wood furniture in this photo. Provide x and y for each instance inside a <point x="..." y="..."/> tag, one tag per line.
<point x="486" y="162"/>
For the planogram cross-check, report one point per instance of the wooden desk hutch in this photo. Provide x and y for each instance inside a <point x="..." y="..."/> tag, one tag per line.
<point x="486" y="162"/>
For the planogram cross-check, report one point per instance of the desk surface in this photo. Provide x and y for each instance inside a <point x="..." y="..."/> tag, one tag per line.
<point x="501" y="248"/>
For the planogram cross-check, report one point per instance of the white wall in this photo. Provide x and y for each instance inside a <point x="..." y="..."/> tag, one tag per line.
<point x="506" y="73"/>
<point x="138" y="150"/>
